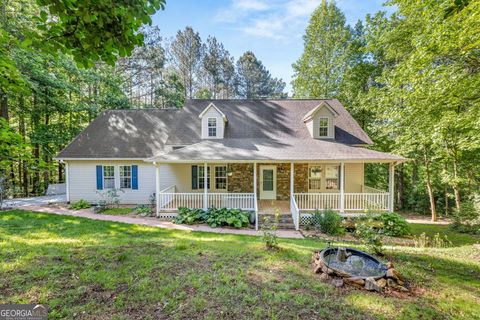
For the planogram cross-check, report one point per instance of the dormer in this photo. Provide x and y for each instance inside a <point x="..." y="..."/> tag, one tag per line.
<point x="213" y="122"/>
<point x="319" y="121"/>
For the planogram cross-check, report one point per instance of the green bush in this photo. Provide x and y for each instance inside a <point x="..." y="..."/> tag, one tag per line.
<point x="214" y="217"/>
<point x="143" y="210"/>
<point x="329" y="222"/>
<point x="190" y="216"/>
<point x="423" y="241"/>
<point x="394" y="225"/>
<point x="369" y="237"/>
<point x="80" y="204"/>
<point x="467" y="219"/>
<point x="227" y="217"/>
<point x="269" y="230"/>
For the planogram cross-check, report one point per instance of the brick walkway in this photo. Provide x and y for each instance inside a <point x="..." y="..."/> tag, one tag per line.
<point x="151" y="222"/>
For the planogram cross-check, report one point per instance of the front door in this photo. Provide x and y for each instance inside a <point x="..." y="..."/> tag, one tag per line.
<point x="268" y="182"/>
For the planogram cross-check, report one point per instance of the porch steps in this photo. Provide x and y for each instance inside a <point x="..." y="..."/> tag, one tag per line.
<point x="285" y="221"/>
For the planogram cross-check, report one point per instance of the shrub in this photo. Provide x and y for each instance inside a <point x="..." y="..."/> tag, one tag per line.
<point x="269" y="229"/>
<point x="227" y="217"/>
<point x="190" y="216"/>
<point x="369" y="237"/>
<point x="110" y="198"/>
<point x="80" y="204"/>
<point x="143" y="210"/>
<point x="329" y="222"/>
<point x="467" y="219"/>
<point x="394" y="225"/>
<point x="423" y="241"/>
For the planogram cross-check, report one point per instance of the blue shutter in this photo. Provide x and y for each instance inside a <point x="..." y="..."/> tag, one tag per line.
<point x="194" y="177"/>
<point x="99" y="177"/>
<point x="135" y="177"/>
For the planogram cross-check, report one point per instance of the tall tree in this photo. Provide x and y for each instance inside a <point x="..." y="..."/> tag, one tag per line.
<point x="219" y="68"/>
<point x="320" y="70"/>
<point x="254" y="80"/>
<point x="187" y="53"/>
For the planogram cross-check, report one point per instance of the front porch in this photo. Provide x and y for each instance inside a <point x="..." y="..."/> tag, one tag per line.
<point x="296" y="189"/>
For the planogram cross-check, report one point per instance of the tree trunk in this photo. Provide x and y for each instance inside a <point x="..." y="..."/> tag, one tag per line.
<point x="455" y="187"/>
<point x="4" y="106"/>
<point x="446" y="200"/>
<point x="428" y="182"/>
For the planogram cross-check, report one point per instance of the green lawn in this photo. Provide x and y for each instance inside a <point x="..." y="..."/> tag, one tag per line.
<point x="86" y="269"/>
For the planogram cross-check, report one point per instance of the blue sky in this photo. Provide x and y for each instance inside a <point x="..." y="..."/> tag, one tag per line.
<point x="272" y="29"/>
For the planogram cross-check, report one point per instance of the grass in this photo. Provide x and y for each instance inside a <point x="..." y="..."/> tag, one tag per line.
<point x="117" y="211"/>
<point x="444" y="230"/>
<point x="86" y="269"/>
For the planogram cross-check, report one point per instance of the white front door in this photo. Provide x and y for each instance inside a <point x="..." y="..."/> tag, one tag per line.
<point x="268" y="182"/>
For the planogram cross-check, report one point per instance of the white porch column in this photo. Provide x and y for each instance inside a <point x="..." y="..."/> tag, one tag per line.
<point x="157" y="187"/>
<point x="205" y="186"/>
<point x="67" y="183"/>
<point x="255" y="193"/>
<point x="292" y="180"/>
<point x="391" y="184"/>
<point x="342" y="187"/>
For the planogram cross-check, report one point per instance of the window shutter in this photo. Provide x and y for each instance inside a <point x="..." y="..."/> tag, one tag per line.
<point x="194" y="177"/>
<point x="134" y="177"/>
<point x="99" y="177"/>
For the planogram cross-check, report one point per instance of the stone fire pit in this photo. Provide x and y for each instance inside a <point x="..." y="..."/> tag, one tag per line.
<point x="341" y="266"/>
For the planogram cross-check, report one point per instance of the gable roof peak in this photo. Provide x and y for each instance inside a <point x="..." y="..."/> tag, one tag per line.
<point x="309" y="115"/>
<point x="211" y="105"/>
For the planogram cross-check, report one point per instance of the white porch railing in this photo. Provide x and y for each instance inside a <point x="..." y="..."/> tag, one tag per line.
<point x="244" y="201"/>
<point x="170" y="200"/>
<point x="320" y="201"/>
<point x="353" y="201"/>
<point x="366" y="201"/>
<point x="295" y="213"/>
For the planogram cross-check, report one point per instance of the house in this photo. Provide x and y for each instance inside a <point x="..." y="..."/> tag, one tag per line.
<point x="296" y="155"/>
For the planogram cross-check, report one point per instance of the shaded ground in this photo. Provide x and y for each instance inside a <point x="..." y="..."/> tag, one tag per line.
<point x="86" y="269"/>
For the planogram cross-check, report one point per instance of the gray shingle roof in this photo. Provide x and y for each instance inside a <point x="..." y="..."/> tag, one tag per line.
<point x="256" y="129"/>
<point x="268" y="149"/>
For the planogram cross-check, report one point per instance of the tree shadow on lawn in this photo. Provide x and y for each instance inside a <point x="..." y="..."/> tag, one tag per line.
<point x="129" y="271"/>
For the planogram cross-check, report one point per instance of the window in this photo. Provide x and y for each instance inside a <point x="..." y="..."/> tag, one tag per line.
<point x="323" y="127"/>
<point x="315" y="177"/>
<point x="212" y="127"/>
<point x="108" y="177"/>
<point x="201" y="177"/>
<point x="331" y="177"/>
<point x="221" y="177"/>
<point x="125" y="177"/>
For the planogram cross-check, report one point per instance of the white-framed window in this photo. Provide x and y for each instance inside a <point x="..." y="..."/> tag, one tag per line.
<point x="315" y="177"/>
<point x="125" y="177"/>
<point x="332" y="174"/>
<point x="201" y="177"/>
<point x="212" y="127"/>
<point x="323" y="127"/>
<point x="108" y="177"/>
<point x="221" y="177"/>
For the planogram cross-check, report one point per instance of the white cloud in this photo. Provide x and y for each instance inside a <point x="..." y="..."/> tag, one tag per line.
<point x="278" y="20"/>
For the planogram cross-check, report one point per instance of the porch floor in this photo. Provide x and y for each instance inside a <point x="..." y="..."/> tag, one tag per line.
<point x="270" y="206"/>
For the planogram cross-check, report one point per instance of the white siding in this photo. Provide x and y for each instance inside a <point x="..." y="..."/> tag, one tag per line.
<point x="83" y="181"/>
<point x="314" y="123"/>
<point x="212" y="113"/>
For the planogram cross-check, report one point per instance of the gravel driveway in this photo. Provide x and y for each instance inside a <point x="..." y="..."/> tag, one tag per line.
<point x="22" y="202"/>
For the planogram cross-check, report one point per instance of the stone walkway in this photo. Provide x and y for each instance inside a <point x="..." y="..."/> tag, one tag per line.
<point x="151" y="222"/>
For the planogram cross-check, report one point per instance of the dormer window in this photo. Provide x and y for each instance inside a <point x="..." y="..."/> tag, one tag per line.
<point x="323" y="127"/>
<point x="213" y="122"/>
<point x="212" y="127"/>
